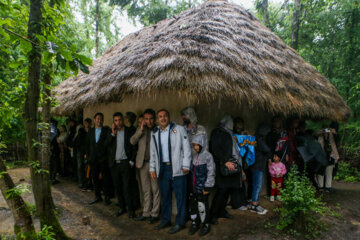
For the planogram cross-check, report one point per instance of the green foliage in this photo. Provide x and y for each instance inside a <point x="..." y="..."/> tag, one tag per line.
<point x="32" y="208"/>
<point x="351" y="140"/>
<point x="17" y="191"/>
<point x="149" y="12"/>
<point x="347" y="173"/>
<point x="37" y="168"/>
<point x="63" y="56"/>
<point x="6" y="237"/>
<point x="301" y="208"/>
<point x="46" y="233"/>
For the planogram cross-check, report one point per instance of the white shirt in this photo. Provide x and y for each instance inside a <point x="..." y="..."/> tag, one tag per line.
<point x="120" y="145"/>
<point x="164" y="139"/>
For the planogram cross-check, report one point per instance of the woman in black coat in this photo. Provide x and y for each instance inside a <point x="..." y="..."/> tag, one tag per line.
<point x="224" y="150"/>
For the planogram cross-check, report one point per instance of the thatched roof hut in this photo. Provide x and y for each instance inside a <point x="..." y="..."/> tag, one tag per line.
<point x="214" y="55"/>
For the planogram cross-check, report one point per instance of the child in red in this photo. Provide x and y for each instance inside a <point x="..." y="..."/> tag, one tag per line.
<point x="277" y="170"/>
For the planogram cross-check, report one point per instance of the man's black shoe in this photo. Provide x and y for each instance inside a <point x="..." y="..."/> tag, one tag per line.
<point x="175" y="229"/>
<point x="153" y="220"/>
<point x="204" y="230"/>
<point x="141" y="218"/>
<point x="163" y="225"/>
<point x="193" y="228"/>
<point x="96" y="200"/>
<point x="132" y="214"/>
<point x="120" y="212"/>
<point x="228" y="216"/>
<point x="107" y="201"/>
<point x="214" y="221"/>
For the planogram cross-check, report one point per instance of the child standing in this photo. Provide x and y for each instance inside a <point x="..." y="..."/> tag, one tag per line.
<point x="277" y="170"/>
<point x="202" y="179"/>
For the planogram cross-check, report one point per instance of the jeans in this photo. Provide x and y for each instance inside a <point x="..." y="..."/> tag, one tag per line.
<point x="167" y="184"/>
<point x="257" y="178"/>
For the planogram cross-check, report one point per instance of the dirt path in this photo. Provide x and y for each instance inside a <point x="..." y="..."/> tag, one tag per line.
<point x="72" y="204"/>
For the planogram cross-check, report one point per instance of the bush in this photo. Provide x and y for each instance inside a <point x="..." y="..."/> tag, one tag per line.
<point x="347" y="173"/>
<point x="301" y="209"/>
<point x="46" y="233"/>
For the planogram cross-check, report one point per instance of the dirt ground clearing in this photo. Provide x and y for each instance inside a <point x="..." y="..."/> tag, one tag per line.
<point x="73" y="207"/>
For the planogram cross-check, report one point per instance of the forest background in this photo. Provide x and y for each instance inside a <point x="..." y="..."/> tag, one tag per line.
<point x="326" y="33"/>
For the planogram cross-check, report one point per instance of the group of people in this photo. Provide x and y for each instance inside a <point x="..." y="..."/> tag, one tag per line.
<point x="160" y="157"/>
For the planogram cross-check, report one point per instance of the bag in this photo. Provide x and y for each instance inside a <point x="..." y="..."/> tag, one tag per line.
<point x="226" y="172"/>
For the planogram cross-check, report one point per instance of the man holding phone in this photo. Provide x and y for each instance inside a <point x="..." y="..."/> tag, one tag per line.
<point x="121" y="159"/>
<point x="150" y="187"/>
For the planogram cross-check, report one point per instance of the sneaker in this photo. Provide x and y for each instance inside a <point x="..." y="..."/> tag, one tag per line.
<point x="272" y="198"/>
<point x="258" y="209"/>
<point x="278" y="198"/>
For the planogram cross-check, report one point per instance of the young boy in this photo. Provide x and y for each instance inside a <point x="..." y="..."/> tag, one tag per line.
<point x="202" y="179"/>
<point x="277" y="170"/>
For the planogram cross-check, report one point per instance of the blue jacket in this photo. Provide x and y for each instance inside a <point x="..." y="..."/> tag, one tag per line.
<point x="202" y="167"/>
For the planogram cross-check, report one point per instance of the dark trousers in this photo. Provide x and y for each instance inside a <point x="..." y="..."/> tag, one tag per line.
<point x="199" y="208"/>
<point x="54" y="166"/>
<point x="238" y="197"/>
<point x="74" y="165"/>
<point x="121" y="178"/>
<point x="134" y="189"/>
<point x="80" y="168"/>
<point x="220" y="200"/>
<point x="167" y="184"/>
<point x="105" y="181"/>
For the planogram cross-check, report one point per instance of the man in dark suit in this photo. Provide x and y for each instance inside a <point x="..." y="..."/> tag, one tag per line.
<point x="121" y="160"/>
<point x="96" y="154"/>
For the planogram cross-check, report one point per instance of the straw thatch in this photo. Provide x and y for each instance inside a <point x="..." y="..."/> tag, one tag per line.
<point x="215" y="50"/>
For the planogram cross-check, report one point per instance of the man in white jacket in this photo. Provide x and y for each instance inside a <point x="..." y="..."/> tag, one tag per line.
<point x="170" y="157"/>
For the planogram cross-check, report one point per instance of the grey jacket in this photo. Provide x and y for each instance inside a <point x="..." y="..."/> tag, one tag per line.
<point x="202" y="167"/>
<point x="180" y="156"/>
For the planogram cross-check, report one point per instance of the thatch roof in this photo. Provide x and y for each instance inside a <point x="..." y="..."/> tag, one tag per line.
<point x="215" y="50"/>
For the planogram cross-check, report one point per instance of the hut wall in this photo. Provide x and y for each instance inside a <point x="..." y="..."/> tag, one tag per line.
<point x="209" y="114"/>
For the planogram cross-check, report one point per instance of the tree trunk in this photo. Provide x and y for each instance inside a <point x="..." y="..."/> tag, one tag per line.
<point x="97" y="28"/>
<point x="295" y="25"/>
<point x="265" y="9"/>
<point x="39" y="177"/>
<point x="42" y="191"/>
<point x="23" y="224"/>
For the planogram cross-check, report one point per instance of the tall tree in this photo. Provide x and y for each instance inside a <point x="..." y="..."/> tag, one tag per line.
<point x="263" y="7"/>
<point x="295" y="24"/>
<point x="97" y="23"/>
<point x="39" y="169"/>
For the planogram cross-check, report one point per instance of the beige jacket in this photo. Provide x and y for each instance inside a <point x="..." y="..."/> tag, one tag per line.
<point x="334" y="152"/>
<point x="139" y="138"/>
